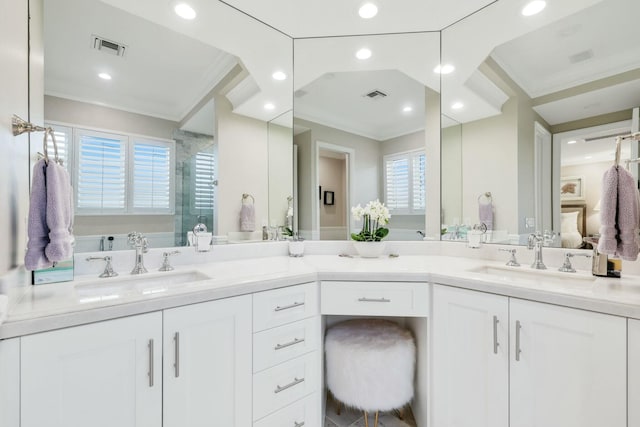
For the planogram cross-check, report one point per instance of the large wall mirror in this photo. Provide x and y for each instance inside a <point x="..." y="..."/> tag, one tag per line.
<point x="166" y="122"/>
<point x="531" y="106"/>
<point x="366" y="117"/>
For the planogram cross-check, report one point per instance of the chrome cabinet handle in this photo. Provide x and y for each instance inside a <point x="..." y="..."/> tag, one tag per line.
<point x="288" y="344"/>
<point x="176" y="364"/>
<point x="150" y="373"/>
<point x="297" y="424"/>
<point x="364" y="299"/>
<point x="287" y="307"/>
<point x="518" y="351"/>
<point x="295" y="382"/>
<point x="495" y="334"/>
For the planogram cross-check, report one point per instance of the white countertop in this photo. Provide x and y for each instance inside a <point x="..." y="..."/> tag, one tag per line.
<point x="88" y="299"/>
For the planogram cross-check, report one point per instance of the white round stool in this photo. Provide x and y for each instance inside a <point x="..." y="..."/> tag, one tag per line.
<point x="370" y="365"/>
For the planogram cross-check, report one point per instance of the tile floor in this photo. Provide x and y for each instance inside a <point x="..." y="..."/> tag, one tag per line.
<point x="352" y="418"/>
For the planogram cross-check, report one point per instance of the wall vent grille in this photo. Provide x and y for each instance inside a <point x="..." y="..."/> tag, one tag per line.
<point x="375" y="94"/>
<point x="107" y="46"/>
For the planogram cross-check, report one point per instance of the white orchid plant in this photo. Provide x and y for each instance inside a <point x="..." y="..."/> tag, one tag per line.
<point x="374" y="217"/>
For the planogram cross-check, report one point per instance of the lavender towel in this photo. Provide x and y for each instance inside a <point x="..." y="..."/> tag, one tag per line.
<point x="37" y="229"/>
<point x="628" y="216"/>
<point x="608" y="242"/>
<point x="247" y="217"/>
<point x="59" y="213"/>
<point x="485" y="214"/>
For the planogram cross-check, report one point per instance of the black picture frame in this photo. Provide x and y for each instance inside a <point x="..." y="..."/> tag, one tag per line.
<point x="329" y="198"/>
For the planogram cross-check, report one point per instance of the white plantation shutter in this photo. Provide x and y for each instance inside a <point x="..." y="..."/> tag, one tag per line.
<point x="397" y="184"/>
<point x="405" y="183"/>
<point x="100" y="172"/>
<point x="203" y="176"/>
<point x="152" y="176"/>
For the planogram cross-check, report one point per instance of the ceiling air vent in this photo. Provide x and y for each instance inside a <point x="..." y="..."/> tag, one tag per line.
<point x="107" y="46"/>
<point x="581" y="56"/>
<point x="375" y="94"/>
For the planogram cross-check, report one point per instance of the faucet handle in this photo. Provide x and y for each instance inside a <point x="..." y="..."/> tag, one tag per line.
<point x="108" y="268"/>
<point x="566" y="266"/>
<point x="165" y="261"/>
<point x="513" y="262"/>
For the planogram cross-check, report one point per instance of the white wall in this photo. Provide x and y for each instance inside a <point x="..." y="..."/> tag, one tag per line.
<point x="280" y="172"/>
<point x="14" y="161"/>
<point x="451" y="173"/>
<point x="243" y="166"/>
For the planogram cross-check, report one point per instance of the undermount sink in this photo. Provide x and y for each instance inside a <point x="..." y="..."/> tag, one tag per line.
<point x="114" y="288"/>
<point x="529" y="274"/>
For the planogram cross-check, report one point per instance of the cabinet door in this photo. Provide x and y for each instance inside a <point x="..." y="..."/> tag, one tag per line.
<point x="99" y="375"/>
<point x="10" y="382"/>
<point x="207" y="364"/>
<point x="470" y="358"/>
<point x="634" y="373"/>
<point x="568" y="367"/>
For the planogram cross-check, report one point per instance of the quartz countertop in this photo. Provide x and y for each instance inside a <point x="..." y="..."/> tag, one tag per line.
<point x="87" y="299"/>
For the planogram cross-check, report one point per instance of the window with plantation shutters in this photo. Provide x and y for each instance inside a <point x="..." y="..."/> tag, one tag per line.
<point x="101" y="177"/>
<point x="404" y="183"/>
<point x="151" y="183"/>
<point x="203" y="178"/>
<point x="117" y="174"/>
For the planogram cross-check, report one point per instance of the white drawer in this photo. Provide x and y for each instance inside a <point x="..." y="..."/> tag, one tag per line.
<point x="404" y="299"/>
<point x="283" y="384"/>
<point x="305" y="412"/>
<point x="286" y="342"/>
<point x="285" y="305"/>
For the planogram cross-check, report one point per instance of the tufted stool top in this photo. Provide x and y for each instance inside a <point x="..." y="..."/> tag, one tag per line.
<point x="370" y="364"/>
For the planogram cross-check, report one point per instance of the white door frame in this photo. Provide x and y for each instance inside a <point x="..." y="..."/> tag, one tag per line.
<point x="350" y="185"/>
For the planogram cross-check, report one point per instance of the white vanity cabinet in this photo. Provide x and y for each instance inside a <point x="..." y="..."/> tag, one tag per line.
<point x="101" y="375"/>
<point x="10" y="382"/>
<point x="565" y="367"/>
<point x="207" y="364"/>
<point x="287" y="357"/>
<point x="634" y="372"/>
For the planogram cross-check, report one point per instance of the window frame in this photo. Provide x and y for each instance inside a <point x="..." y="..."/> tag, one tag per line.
<point x="409" y="156"/>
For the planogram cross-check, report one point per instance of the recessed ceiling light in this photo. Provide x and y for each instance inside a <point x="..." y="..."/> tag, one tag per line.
<point x="184" y="11"/>
<point x="444" y="69"/>
<point x="269" y="106"/>
<point x="534" y="7"/>
<point x="279" y="75"/>
<point x="457" y="105"/>
<point x="368" y="10"/>
<point x="363" y="54"/>
<point x="407" y="109"/>
<point x="573" y="141"/>
<point x="105" y="76"/>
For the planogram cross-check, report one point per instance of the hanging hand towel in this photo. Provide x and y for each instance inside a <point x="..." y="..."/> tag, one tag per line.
<point x="247" y="217"/>
<point x="485" y="214"/>
<point x="59" y="213"/>
<point x="37" y="229"/>
<point x="608" y="241"/>
<point x="628" y="216"/>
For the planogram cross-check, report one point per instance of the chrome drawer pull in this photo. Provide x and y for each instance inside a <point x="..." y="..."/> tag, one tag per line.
<point x="297" y="424"/>
<point x="288" y="344"/>
<point x="176" y="365"/>
<point x="364" y="299"/>
<point x="495" y="334"/>
<point x="518" y="350"/>
<point x="287" y="307"/>
<point x="295" y="381"/>
<point x="150" y="373"/>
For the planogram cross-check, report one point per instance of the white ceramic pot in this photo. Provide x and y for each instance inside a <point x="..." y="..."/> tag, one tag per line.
<point x="369" y="249"/>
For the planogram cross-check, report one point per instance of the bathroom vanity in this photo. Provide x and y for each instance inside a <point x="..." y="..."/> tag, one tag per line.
<point x="241" y="342"/>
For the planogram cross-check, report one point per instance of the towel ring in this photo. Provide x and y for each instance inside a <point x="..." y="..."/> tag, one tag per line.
<point x="486" y="195"/>
<point x="49" y="132"/>
<point x="618" y="148"/>
<point x="245" y="196"/>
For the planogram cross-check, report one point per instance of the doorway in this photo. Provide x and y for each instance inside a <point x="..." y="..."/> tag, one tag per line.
<point x="333" y="185"/>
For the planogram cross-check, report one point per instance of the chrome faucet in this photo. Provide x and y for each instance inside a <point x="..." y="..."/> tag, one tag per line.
<point x="535" y="242"/>
<point x="139" y="242"/>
